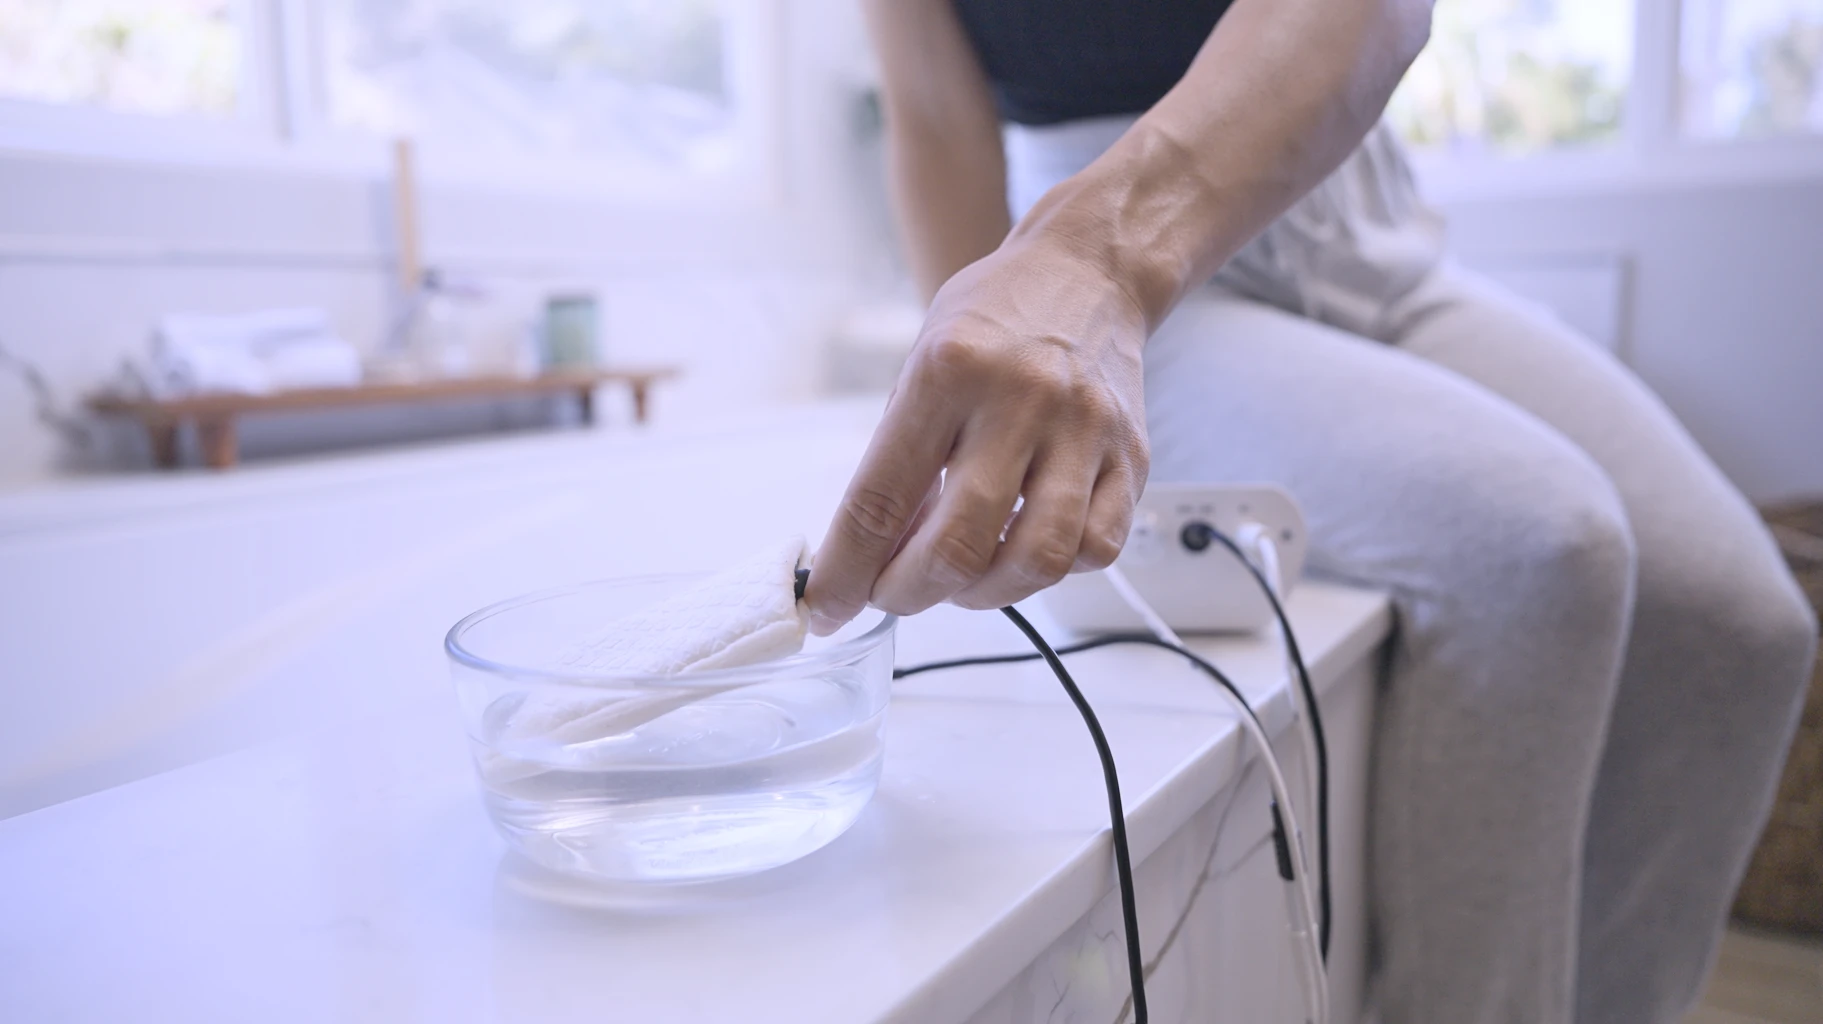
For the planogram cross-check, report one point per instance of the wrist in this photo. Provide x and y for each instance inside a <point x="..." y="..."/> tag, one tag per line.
<point x="1128" y="216"/>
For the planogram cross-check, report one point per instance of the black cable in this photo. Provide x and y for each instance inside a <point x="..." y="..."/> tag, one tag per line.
<point x="1013" y="659"/>
<point x="1117" y="818"/>
<point x="1316" y="735"/>
<point x="1319" y="741"/>
<point x="1109" y="640"/>
<point x="1123" y="864"/>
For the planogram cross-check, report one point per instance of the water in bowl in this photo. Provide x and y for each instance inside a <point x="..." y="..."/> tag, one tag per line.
<point x="681" y="785"/>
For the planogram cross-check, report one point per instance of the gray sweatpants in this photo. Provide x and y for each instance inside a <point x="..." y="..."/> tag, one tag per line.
<point x="1600" y="656"/>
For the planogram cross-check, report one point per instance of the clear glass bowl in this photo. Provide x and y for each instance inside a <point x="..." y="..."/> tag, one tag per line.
<point x="665" y="779"/>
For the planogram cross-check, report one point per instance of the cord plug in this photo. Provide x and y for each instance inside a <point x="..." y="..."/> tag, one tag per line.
<point x="1281" y="844"/>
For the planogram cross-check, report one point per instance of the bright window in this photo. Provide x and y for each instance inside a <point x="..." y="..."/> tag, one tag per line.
<point x="1519" y="76"/>
<point x="144" y="56"/>
<point x="619" y="81"/>
<point x="1752" y="68"/>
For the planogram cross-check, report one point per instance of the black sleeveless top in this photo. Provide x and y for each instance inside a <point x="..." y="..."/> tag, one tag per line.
<point x="1056" y="60"/>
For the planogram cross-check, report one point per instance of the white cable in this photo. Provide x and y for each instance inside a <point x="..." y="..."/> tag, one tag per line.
<point x="1302" y="904"/>
<point x="1256" y="538"/>
<point x="1128" y="593"/>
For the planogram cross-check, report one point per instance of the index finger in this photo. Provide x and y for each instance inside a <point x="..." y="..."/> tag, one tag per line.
<point x="907" y="451"/>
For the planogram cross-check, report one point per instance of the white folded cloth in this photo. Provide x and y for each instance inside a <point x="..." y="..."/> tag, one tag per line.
<point x="249" y="353"/>
<point x="745" y="615"/>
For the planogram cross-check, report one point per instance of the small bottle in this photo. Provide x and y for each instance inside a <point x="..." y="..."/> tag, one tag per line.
<point x="571" y="327"/>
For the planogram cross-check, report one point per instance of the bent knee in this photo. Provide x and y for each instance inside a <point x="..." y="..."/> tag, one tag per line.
<point x="1570" y="555"/>
<point x="1529" y="570"/>
<point x="1583" y="541"/>
<point x="1788" y="628"/>
<point x="1754" y="618"/>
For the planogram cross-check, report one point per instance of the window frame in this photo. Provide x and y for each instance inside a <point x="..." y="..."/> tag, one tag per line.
<point x="1652" y="150"/>
<point x="281" y="124"/>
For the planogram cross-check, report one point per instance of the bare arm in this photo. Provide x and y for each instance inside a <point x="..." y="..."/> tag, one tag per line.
<point x="1026" y="380"/>
<point x="1280" y="93"/>
<point x="943" y="139"/>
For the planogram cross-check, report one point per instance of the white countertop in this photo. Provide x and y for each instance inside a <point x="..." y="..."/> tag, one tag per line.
<point x="342" y="868"/>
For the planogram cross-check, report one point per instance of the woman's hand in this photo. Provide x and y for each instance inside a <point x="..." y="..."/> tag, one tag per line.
<point x="1025" y="383"/>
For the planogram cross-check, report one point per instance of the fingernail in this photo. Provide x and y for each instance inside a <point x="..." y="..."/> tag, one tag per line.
<point x="823" y="625"/>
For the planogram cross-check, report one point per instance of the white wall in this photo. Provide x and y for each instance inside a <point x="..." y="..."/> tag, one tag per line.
<point x="1722" y="308"/>
<point x="741" y="294"/>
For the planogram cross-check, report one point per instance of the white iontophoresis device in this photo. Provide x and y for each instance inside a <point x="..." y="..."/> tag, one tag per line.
<point x="1193" y="581"/>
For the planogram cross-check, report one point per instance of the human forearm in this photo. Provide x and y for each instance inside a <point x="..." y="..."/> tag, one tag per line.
<point x="1282" y="91"/>
<point x="949" y="197"/>
<point x="947" y="169"/>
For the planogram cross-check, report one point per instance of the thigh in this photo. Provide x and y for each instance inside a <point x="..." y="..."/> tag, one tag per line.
<point x="1505" y="551"/>
<point x="1409" y="474"/>
<point x="1702" y="547"/>
<point x="1715" y="666"/>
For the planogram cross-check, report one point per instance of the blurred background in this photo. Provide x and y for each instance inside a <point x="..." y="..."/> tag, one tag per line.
<point x="291" y="231"/>
<point x="705" y="179"/>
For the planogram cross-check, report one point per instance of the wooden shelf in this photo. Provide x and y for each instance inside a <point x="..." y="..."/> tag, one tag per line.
<point x="215" y="414"/>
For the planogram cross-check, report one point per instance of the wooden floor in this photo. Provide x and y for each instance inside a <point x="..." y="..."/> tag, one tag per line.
<point x="1762" y="978"/>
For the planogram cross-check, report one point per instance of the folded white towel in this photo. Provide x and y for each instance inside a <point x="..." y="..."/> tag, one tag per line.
<point x="747" y="614"/>
<point x="325" y="361"/>
<point x="251" y="353"/>
<point x="256" y="332"/>
<point x="743" y="616"/>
